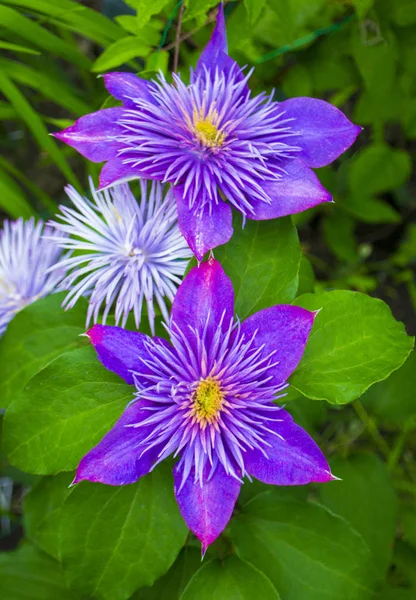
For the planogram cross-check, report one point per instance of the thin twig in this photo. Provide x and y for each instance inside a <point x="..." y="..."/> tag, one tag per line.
<point x="178" y="38"/>
<point x="189" y="34"/>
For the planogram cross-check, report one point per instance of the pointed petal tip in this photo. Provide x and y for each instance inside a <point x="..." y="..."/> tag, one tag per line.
<point x="74" y="482"/>
<point x="204" y="548"/>
<point x="95" y="333"/>
<point x="333" y="477"/>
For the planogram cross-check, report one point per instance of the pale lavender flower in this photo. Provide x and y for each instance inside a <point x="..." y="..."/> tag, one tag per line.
<point x="123" y="252"/>
<point x="25" y="259"/>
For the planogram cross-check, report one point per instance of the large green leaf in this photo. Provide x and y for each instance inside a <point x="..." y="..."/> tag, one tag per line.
<point x="116" y="539"/>
<point x="393" y="400"/>
<point x="34" y="337"/>
<point x="120" y="52"/>
<point x="63" y="412"/>
<point x="355" y="342"/>
<point x="379" y="168"/>
<point x="172" y="584"/>
<point x="307" y="552"/>
<point x="263" y="262"/>
<point x="230" y="579"/>
<point x="42" y="511"/>
<point x="366" y="498"/>
<point x="27" y="574"/>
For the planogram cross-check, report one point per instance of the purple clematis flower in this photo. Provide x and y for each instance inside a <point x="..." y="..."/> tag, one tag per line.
<point x="208" y="399"/>
<point x="214" y="141"/>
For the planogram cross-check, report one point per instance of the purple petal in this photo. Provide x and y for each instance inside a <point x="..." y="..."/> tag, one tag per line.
<point x="125" y="86"/>
<point x="205" y="231"/>
<point x="207" y="509"/>
<point x="297" y="190"/>
<point x="119" y="350"/>
<point x="293" y="460"/>
<point x="325" y="132"/>
<point x="215" y="54"/>
<point x="117" y="459"/>
<point x="116" y="172"/>
<point x="205" y="293"/>
<point x="282" y="331"/>
<point x="94" y="135"/>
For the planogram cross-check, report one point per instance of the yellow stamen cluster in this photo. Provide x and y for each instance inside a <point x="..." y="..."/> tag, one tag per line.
<point x="207" y="400"/>
<point x="205" y="125"/>
<point x="208" y="134"/>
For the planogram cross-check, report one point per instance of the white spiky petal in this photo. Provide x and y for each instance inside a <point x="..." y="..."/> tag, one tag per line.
<point x="123" y="252"/>
<point x="25" y="257"/>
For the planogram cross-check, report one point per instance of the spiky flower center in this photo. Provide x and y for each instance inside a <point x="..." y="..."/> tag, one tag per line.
<point x="207" y="400"/>
<point x="208" y="134"/>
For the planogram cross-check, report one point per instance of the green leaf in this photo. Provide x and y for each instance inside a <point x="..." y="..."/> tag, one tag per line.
<point x="27" y="574"/>
<point x="366" y="498"/>
<point x="196" y="8"/>
<point x="146" y="9"/>
<point x="73" y="15"/>
<point x="119" y="53"/>
<point x="338" y="231"/>
<point x="408" y="521"/>
<point x="369" y="210"/>
<point x="63" y="412"/>
<point x="28" y="184"/>
<point x="12" y="199"/>
<point x="254" y="9"/>
<point x="36" y="336"/>
<point x="172" y="584"/>
<point x="306" y="277"/>
<point x="36" y="126"/>
<point x="42" y="511"/>
<point x="17" y="48"/>
<point x="393" y="400"/>
<point x="355" y="342"/>
<point x="404" y="12"/>
<point x="362" y="7"/>
<point x="231" y="579"/>
<point x="395" y="594"/>
<point x="56" y="89"/>
<point x="263" y="262"/>
<point x="377" y="62"/>
<point x="16" y="22"/>
<point x="116" y="539"/>
<point x="305" y="550"/>
<point x="379" y="168"/>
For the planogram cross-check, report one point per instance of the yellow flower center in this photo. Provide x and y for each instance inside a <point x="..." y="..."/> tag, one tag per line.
<point x="208" y="399"/>
<point x="208" y="134"/>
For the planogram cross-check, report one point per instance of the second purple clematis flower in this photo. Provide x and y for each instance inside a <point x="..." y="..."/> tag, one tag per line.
<point x="207" y="398"/>
<point x="218" y="145"/>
